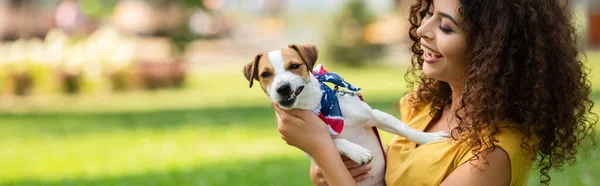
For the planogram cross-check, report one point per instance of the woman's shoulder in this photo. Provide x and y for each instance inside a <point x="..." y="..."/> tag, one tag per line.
<point x="510" y="139"/>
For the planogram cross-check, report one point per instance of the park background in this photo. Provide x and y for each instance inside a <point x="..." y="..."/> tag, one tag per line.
<point x="129" y="92"/>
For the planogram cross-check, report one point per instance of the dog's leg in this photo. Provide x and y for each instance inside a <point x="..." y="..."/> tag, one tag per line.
<point x="393" y="125"/>
<point x="353" y="151"/>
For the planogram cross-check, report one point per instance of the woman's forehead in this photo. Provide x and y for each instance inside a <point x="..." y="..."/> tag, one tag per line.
<point x="449" y="7"/>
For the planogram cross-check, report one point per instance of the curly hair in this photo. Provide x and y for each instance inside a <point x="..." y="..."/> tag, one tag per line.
<point x="524" y="67"/>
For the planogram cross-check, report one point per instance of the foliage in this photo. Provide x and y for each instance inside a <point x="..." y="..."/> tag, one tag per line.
<point x="107" y="59"/>
<point x="345" y="41"/>
<point x="97" y="9"/>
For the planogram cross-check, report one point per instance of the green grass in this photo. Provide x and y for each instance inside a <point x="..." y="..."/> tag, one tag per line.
<point x="215" y="132"/>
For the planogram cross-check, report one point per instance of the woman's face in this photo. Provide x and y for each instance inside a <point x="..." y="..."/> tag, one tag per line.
<point x="444" y="43"/>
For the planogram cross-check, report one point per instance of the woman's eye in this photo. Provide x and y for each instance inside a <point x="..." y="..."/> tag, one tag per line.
<point x="445" y="30"/>
<point x="265" y="74"/>
<point x="294" y="66"/>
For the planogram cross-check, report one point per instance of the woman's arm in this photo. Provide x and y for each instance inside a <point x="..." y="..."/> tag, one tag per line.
<point x="332" y="167"/>
<point x="492" y="170"/>
<point x="304" y="130"/>
<point x="358" y="172"/>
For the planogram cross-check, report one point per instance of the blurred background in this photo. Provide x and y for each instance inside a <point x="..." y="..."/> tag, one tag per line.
<point x="132" y="92"/>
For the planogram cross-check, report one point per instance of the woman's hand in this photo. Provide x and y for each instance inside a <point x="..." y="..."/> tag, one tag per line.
<point x="302" y="129"/>
<point x="358" y="172"/>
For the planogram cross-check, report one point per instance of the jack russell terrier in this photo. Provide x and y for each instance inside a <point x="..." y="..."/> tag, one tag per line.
<point x="285" y="76"/>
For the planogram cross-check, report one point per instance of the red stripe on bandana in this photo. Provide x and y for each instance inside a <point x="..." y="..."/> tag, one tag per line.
<point x="335" y="124"/>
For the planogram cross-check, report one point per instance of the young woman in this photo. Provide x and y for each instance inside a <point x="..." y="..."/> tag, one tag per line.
<point x="504" y="77"/>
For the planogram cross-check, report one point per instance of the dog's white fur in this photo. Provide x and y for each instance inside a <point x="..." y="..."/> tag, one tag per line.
<point x="357" y="140"/>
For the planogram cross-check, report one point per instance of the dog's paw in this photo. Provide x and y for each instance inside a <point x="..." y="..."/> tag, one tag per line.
<point x="434" y="136"/>
<point x="361" y="156"/>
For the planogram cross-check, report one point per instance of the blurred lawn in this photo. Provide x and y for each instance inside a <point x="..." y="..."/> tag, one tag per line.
<point x="215" y="132"/>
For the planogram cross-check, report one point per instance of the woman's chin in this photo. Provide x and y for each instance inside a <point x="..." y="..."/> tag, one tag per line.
<point x="431" y="72"/>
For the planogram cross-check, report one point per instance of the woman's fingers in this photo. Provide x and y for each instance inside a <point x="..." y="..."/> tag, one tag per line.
<point x="276" y="107"/>
<point x="282" y="114"/>
<point x="319" y="176"/>
<point x="358" y="171"/>
<point x="344" y="157"/>
<point x="323" y="182"/>
<point x="361" y="177"/>
<point x="358" y="174"/>
<point x="349" y="163"/>
<point x="283" y="117"/>
<point x="300" y="113"/>
<point x="294" y="112"/>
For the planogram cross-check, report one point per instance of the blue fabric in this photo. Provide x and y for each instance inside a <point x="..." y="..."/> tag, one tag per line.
<point x="329" y="109"/>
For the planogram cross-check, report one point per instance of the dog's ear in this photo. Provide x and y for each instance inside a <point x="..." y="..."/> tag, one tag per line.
<point x="309" y="53"/>
<point x="251" y="69"/>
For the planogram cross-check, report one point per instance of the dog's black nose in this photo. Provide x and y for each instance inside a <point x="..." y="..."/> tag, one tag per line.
<point x="284" y="90"/>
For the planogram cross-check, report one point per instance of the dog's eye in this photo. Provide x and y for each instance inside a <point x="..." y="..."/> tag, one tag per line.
<point x="294" y="66"/>
<point x="265" y="74"/>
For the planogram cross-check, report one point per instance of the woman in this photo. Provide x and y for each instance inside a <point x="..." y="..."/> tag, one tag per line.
<point x="504" y="77"/>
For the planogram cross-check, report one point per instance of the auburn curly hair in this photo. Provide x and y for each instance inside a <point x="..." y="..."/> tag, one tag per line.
<point x="524" y="67"/>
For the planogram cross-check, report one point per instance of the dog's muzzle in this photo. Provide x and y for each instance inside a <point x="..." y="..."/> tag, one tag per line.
<point x="288" y="97"/>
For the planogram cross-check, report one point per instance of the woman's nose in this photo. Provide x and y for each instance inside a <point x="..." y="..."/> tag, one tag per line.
<point x="424" y="31"/>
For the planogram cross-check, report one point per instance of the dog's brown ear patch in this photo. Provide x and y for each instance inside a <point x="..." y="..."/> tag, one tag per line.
<point x="251" y="69"/>
<point x="308" y="52"/>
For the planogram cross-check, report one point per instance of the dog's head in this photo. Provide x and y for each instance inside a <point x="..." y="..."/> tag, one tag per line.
<point x="284" y="75"/>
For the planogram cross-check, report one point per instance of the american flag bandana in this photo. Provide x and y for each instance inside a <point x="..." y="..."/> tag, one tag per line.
<point x="329" y="110"/>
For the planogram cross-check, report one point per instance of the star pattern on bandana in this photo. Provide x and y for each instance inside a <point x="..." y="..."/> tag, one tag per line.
<point x="329" y="110"/>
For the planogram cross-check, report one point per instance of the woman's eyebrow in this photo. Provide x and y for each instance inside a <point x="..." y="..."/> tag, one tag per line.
<point x="449" y="17"/>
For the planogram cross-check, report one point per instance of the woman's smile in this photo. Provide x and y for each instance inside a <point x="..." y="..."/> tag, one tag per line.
<point x="430" y="55"/>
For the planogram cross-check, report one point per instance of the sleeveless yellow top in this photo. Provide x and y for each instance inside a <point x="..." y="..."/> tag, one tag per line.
<point x="431" y="163"/>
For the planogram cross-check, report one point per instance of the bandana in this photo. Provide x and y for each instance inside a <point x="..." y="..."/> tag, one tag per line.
<point x="329" y="111"/>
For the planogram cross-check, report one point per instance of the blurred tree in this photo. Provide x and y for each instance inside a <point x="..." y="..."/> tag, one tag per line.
<point x="98" y="10"/>
<point x="345" y="41"/>
<point x="209" y="12"/>
<point x="191" y="3"/>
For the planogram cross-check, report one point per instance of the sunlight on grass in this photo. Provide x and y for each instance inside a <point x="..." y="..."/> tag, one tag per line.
<point x="98" y="155"/>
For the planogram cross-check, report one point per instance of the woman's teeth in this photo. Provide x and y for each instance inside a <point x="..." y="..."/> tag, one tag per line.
<point x="431" y="52"/>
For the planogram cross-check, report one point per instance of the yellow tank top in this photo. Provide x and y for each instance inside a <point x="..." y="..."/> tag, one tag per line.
<point x="431" y="163"/>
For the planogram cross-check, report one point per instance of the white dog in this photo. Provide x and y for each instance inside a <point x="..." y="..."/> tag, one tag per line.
<point x="285" y="76"/>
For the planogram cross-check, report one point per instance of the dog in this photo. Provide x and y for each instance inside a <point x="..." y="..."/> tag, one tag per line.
<point x="285" y="76"/>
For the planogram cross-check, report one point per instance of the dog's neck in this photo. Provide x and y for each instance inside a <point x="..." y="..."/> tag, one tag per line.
<point x="310" y="98"/>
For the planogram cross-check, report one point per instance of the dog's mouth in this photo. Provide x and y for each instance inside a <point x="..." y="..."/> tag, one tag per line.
<point x="290" y="100"/>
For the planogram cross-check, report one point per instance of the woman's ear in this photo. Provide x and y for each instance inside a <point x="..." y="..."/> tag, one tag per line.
<point x="251" y="69"/>
<point x="308" y="52"/>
